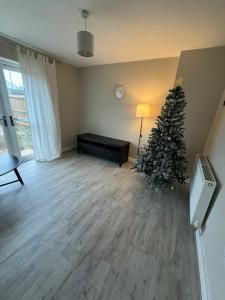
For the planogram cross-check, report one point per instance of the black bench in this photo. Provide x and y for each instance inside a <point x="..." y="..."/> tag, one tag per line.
<point x="104" y="147"/>
<point x="9" y="163"/>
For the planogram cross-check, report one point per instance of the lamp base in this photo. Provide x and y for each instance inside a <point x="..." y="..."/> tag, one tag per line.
<point x="140" y="137"/>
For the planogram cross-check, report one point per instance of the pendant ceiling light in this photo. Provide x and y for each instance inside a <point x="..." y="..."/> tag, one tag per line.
<point x="85" y="39"/>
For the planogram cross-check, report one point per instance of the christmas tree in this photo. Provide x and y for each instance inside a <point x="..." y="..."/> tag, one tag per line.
<point x="162" y="159"/>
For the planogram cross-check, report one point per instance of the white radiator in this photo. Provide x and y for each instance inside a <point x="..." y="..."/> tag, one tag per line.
<point x="202" y="187"/>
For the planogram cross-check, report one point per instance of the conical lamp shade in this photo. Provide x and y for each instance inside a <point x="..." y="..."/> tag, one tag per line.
<point x="85" y="43"/>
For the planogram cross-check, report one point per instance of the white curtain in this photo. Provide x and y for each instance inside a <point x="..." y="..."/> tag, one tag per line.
<point x="39" y="78"/>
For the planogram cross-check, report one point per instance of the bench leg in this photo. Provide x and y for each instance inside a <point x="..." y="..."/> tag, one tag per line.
<point x="18" y="176"/>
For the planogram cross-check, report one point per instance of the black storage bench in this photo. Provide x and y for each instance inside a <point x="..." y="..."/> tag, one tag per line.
<point x="104" y="147"/>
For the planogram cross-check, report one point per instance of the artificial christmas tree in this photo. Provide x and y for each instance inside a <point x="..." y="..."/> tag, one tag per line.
<point x="162" y="159"/>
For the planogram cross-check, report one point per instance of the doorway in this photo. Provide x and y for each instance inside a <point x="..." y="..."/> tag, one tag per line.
<point x="15" y="131"/>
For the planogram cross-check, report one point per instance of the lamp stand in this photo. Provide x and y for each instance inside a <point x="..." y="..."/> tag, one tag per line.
<point x="140" y="136"/>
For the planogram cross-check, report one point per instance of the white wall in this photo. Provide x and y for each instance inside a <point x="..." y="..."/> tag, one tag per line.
<point x="213" y="238"/>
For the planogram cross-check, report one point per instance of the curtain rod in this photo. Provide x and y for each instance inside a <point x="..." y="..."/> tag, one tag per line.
<point x="16" y="43"/>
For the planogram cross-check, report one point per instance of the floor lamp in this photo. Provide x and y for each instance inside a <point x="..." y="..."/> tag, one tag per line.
<point x="142" y="111"/>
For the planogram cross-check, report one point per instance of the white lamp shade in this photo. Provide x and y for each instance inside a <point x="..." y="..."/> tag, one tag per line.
<point x="142" y="110"/>
<point x="85" y="43"/>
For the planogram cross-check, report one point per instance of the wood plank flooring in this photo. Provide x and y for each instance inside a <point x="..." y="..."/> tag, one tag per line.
<point x="83" y="228"/>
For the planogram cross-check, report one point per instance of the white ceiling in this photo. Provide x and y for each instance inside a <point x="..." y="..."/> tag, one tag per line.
<point x="124" y="30"/>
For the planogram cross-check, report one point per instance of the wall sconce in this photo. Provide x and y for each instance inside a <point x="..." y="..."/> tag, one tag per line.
<point x="142" y="111"/>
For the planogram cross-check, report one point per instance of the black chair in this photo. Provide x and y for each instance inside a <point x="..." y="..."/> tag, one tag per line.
<point x="9" y="163"/>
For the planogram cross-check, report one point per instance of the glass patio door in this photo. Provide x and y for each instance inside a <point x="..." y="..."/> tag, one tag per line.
<point x="4" y="134"/>
<point x="15" y="132"/>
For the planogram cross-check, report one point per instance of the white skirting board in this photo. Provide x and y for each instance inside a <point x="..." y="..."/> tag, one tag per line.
<point x="131" y="159"/>
<point x="68" y="148"/>
<point x="205" y="291"/>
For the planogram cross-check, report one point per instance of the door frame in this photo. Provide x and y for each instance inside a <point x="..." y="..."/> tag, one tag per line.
<point x="10" y="131"/>
<point x="5" y="128"/>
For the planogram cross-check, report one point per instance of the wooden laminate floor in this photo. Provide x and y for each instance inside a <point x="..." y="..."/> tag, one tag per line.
<point x="83" y="228"/>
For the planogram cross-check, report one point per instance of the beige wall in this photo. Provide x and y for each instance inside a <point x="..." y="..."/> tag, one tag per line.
<point x="213" y="238"/>
<point x="67" y="91"/>
<point x="67" y="79"/>
<point x="7" y="50"/>
<point x="102" y="113"/>
<point x="145" y="82"/>
<point x="148" y="82"/>
<point x="204" y="73"/>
